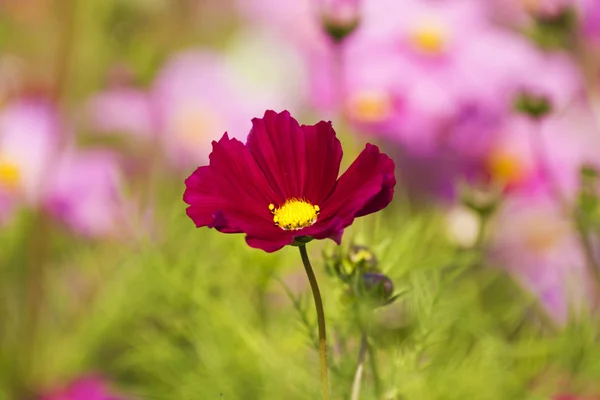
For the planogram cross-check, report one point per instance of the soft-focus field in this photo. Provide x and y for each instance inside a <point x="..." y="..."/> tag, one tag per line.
<point x="480" y="280"/>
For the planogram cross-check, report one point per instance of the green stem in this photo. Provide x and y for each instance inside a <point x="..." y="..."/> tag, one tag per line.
<point x="65" y="50"/>
<point x="362" y="353"/>
<point x="320" y="321"/>
<point x="374" y="370"/>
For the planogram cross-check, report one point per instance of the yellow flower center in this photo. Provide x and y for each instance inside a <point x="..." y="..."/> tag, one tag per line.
<point x="9" y="175"/>
<point x="428" y="38"/>
<point x="370" y="106"/>
<point x="294" y="214"/>
<point x="506" y="167"/>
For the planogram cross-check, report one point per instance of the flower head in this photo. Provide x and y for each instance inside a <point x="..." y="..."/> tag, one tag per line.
<point x="85" y="388"/>
<point x="281" y="187"/>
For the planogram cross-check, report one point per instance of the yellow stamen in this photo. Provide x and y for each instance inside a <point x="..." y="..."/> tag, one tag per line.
<point x="428" y="38"/>
<point x="294" y="214"/>
<point x="10" y="175"/>
<point x="370" y="106"/>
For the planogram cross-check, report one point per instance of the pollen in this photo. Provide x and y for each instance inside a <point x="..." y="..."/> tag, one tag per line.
<point x="294" y="214"/>
<point x="429" y="38"/>
<point x="9" y="175"/>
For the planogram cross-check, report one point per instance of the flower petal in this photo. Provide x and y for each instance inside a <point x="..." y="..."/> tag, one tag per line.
<point x="278" y="145"/>
<point x="367" y="186"/>
<point x="231" y="194"/>
<point x="271" y="243"/>
<point x="323" y="158"/>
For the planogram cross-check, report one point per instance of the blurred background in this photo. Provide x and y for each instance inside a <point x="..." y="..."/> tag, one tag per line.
<point x="480" y="281"/>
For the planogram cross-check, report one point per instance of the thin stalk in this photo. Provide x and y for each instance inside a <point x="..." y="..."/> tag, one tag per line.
<point x="362" y="353"/>
<point x="65" y="50"/>
<point x="320" y="321"/>
<point x="374" y="370"/>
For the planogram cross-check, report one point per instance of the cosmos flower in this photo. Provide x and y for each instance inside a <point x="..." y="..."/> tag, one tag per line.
<point x="40" y="169"/>
<point x="538" y="244"/>
<point x="86" y="388"/>
<point x="197" y="93"/>
<point x="281" y="187"/>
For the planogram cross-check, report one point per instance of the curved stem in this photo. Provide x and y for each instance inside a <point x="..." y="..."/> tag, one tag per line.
<point x="362" y="352"/>
<point x="320" y="321"/>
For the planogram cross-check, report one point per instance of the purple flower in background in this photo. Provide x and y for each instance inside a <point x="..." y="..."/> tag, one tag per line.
<point x="529" y="158"/>
<point x="538" y="244"/>
<point x="197" y="93"/>
<point x="85" y="388"/>
<point x="30" y="134"/>
<point x="39" y="169"/>
<point x="122" y="109"/>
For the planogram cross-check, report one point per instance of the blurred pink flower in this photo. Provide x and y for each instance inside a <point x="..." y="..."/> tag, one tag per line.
<point x="590" y="16"/>
<point x="340" y="12"/>
<point x="522" y="12"/>
<point x="298" y="22"/>
<point x="85" y="388"/>
<point x="85" y="192"/>
<point x="80" y="188"/>
<point x="536" y="242"/>
<point x="197" y="96"/>
<point x="30" y="134"/>
<point x="529" y="158"/>
<point x="444" y="94"/>
<point x="121" y="110"/>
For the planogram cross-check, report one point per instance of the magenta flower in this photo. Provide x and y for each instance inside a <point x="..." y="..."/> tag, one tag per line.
<point x="87" y="388"/>
<point x="281" y="187"/>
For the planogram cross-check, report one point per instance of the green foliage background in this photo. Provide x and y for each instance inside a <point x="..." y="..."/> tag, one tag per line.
<point x="193" y="314"/>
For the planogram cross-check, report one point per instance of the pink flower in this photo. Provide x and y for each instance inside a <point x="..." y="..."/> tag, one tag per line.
<point x="85" y="192"/>
<point x="122" y="110"/>
<point x="531" y="158"/>
<point x="537" y="243"/>
<point x="85" y="388"/>
<point x="39" y="170"/>
<point x="198" y="93"/>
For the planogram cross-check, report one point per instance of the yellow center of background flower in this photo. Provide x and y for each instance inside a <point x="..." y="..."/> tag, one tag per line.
<point x="370" y="106"/>
<point x="428" y="38"/>
<point x="294" y="214"/>
<point x="9" y="175"/>
<point x="506" y="168"/>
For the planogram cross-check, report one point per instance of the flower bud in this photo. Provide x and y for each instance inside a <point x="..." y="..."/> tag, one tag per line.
<point x="482" y="198"/>
<point x="362" y="257"/>
<point x="340" y="18"/>
<point x="376" y="287"/>
<point x="555" y="28"/>
<point x="533" y="105"/>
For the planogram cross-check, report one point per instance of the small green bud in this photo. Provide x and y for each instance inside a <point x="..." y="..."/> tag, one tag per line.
<point x="533" y="105"/>
<point x="482" y="199"/>
<point x="340" y="18"/>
